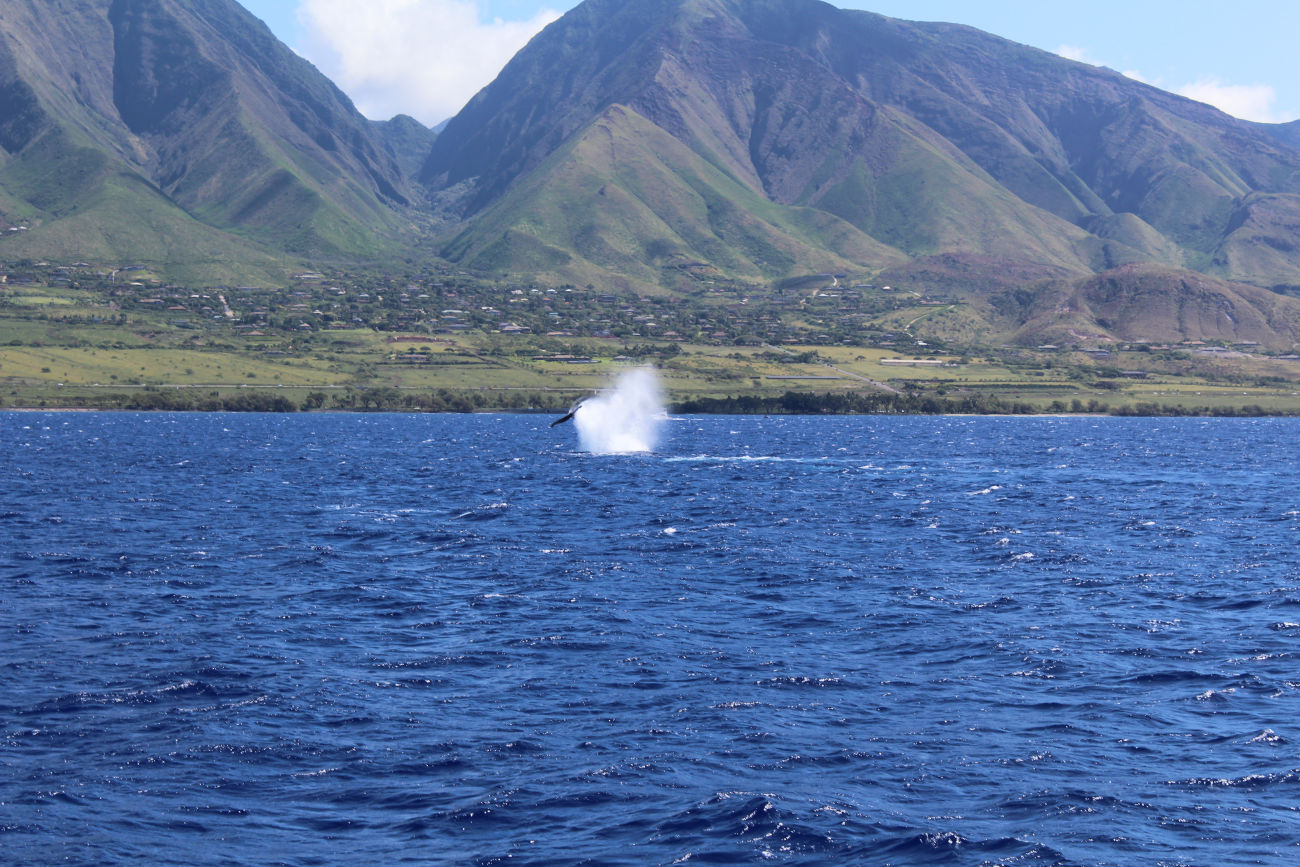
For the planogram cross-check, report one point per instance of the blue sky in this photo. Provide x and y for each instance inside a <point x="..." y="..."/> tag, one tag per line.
<point x="427" y="57"/>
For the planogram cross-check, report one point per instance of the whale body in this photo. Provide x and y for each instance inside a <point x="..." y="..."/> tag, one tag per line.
<point x="570" y="414"/>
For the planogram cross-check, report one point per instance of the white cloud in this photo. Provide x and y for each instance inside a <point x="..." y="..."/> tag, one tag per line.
<point x="1246" y="101"/>
<point x="1074" y="52"/>
<point x="425" y="58"/>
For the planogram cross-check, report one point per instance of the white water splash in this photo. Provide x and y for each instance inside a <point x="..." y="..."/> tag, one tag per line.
<point x="625" y="419"/>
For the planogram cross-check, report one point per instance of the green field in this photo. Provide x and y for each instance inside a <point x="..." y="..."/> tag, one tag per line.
<point x="68" y="342"/>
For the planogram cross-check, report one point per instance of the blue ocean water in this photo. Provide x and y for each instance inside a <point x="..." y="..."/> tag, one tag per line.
<point x="327" y="639"/>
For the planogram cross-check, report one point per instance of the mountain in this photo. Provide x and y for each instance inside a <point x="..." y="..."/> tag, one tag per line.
<point x="658" y="145"/>
<point x="183" y="134"/>
<point x="408" y="140"/>
<point x="635" y="140"/>
<point x="1288" y="133"/>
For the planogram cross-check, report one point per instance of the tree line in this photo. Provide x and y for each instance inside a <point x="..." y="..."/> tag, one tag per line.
<point x="880" y="403"/>
<point x="854" y="403"/>
<point x="790" y="403"/>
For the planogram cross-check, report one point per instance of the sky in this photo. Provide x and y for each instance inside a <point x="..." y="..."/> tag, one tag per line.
<point x="427" y="58"/>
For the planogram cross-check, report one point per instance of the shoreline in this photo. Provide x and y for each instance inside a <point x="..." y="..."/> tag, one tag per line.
<point x="673" y="411"/>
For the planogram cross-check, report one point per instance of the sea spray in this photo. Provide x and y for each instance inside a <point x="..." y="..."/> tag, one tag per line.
<point x="624" y="419"/>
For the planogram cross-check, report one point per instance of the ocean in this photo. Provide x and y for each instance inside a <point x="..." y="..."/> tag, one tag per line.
<point x="428" y="639"/>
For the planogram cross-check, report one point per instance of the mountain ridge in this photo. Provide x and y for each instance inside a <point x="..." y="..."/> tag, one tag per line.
<point x="197" y="119"/>
<point x="856" y="115"/>
<point x="653" y="146"/>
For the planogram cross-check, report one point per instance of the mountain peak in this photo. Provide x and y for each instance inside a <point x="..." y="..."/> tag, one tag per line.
<point x="898" y="138"/>
<point x="193" y="113"/>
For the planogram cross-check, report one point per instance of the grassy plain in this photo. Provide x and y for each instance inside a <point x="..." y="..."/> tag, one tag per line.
<point x="64" y="343"/>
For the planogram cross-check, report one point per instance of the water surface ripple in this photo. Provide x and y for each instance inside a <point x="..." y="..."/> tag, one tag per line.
<point x="426" y="639"/>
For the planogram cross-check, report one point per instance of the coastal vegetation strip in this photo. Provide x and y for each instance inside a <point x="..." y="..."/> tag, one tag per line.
<point x="434" y="339"/>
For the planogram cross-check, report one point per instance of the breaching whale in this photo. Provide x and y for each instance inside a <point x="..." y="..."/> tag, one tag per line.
<point x="572" y="410"/>
<point x="621" y="420"/>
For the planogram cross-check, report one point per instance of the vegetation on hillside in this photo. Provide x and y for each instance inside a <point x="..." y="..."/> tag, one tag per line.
<point x="769" y="140"/>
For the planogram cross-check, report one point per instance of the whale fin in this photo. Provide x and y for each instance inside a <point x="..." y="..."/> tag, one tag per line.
<point x="572" y="411"/>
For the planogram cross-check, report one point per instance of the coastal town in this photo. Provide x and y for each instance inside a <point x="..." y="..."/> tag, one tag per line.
<point x="438" y="338"/>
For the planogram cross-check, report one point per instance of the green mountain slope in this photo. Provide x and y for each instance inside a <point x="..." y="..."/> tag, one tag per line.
<point x="181" y="132"/>
<point x="927" y="139"/>
<point x="409" y="141"/>
<point x="662" y="210"/>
